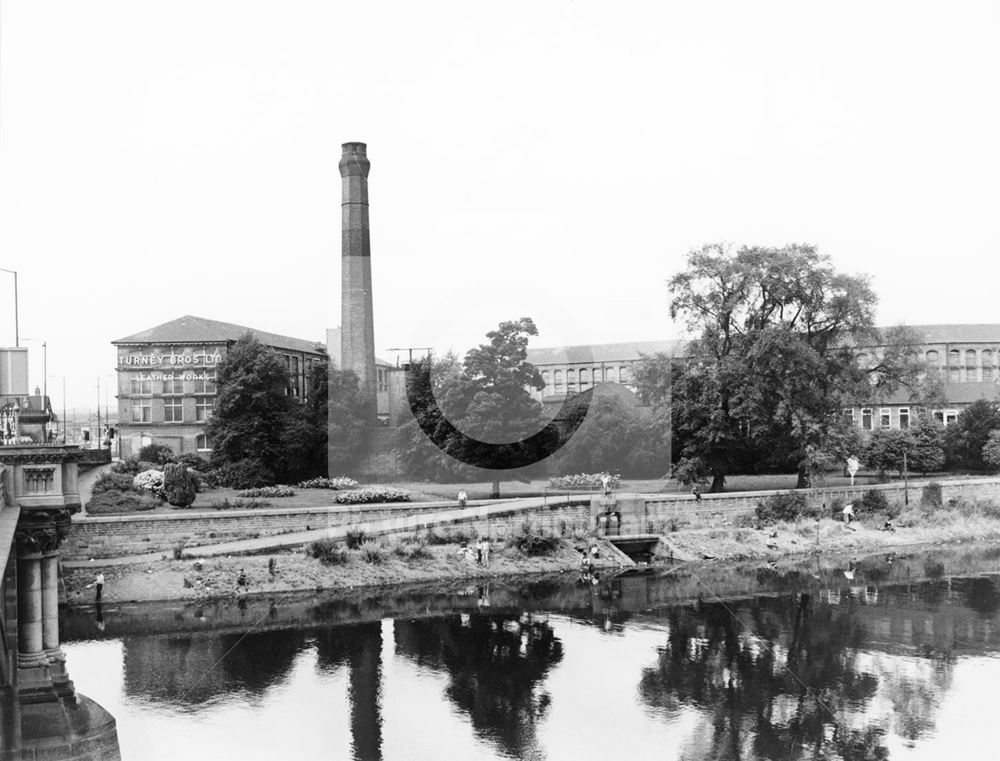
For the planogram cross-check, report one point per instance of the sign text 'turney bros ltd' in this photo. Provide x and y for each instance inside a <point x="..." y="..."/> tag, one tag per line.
<point x="174" y="360"/>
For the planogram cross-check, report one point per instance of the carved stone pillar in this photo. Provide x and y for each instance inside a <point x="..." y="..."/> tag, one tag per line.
<point x="30" y="651"/>
<point x="37" y="541"/>
<point x="50" y="605"/>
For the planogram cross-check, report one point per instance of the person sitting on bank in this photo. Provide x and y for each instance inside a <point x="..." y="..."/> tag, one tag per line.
<point x="696" y="491"/>
<point x="888" y="526"/>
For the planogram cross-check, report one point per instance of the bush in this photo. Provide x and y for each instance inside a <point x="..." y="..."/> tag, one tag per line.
<point x="372" y="552"/>
<point x="784" y="506"/>
<point x="149" y="480"/>
<point x="412" y="549"/>
<point x="366" y="496"/>
<point x="178" y="485"/>
<point x="159" y="454"/>
<point x="532" y="541"/>
<point x="244" y="474"/>
<point x="194" y="462"/>
<point x="113" y="502"/>
<point x="340" y="482"/>
<point x="930" y="495"/>
<point x="354" y="538"/>
<point x="328" y="551"/>
<point x="873" y="501"/>
<point x="129" y="466"/>
<point x="179" y="550"/>
<point x="267" y="491"/>
<point x="109" y="480"/>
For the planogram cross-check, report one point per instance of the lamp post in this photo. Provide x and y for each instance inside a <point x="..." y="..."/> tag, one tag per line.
<point x="17" y="340"/>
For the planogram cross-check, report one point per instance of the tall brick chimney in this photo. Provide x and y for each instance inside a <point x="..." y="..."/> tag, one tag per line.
<point x="357" y="342"/>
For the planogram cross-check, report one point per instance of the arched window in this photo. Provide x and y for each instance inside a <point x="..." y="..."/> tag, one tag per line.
<point x="932" y="358"/>
<point x="559" y="381"/>
<point x="546" y="379"/>
<point x="571" y="381"/>
<point x="624" y="374"/>
<point x="987" y="357"/>
<point x="609" y="374"/>
<point x="598" y="376"/>
<point x="584" y="379"/>
<point x="954" y="365"/>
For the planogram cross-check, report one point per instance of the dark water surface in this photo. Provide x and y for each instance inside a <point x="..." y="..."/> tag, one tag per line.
<point x="883" y="657"/>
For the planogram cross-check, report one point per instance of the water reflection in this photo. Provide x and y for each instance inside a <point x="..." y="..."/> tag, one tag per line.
<point x="851" y="660"/>
<point x="496" y="664"/>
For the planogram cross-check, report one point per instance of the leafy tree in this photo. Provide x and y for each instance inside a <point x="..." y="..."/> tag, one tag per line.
<point x="885" y="448"/>
<point x="251" y="409"/>
<point x="179" y="486"/>
<point x="772" y="365"/>
<point x="966" y="437"/>
<point x="926" y="453"/>
<point x="991" y="450"/>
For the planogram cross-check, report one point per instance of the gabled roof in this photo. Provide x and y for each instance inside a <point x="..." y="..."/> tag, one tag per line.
<point x="191" y="329"/>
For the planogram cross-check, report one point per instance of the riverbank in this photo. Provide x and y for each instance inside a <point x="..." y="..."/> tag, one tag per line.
<point x="215" y="578"/>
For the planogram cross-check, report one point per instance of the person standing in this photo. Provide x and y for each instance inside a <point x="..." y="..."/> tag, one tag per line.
<point x="462" y="498"/>
<point x="606" y="485"/>
<point x="848" y="513"/>
<point x="486" y="551"/>
<point x="99" y="583"/>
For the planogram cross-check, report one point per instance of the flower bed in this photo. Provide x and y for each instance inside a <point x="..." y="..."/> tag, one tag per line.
<point x="149" y="480"/>
<point x="267" y="491"/>
<point x="340" y="482"/>
<point x="365" y="496"/>
<point x="583" y="481"/>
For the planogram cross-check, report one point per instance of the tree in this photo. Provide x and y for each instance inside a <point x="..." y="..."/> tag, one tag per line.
<point x="926" y="453"/>
<point x="252" y="409"/>
<point x="885" y="449"/>
<point x="179" y="486"/>
<point x="772" y="364"/>
<point x="966" y="437"/>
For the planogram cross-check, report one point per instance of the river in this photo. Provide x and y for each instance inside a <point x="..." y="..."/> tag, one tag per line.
<point x="871" y="658"/>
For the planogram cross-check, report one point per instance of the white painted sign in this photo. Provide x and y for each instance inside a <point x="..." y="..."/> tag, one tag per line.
<point x="852" y="467"/>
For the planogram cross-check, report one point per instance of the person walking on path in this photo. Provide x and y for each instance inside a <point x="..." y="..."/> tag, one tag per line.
<point x="696" y="491"/>
<point x="462" y="498"/>
<point x="606" y="485"/>
<point x="99" y="583"/>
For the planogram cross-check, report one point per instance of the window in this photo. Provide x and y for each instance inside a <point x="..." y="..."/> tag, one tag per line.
<point x="546" y="379"/>
<point x="623" y="373"/>
<point x="904" y="418"/>
<point x="203" y="408"/>
<point x="571" y="381"/>
<point x="950" y="417"/>
<point x="849" y="417"/>
<point x="173" y="410"/>
<point x="866" y="419"/>
<point x="884" y="418"/>
<point x="584" y="379"/>
<point x="987" y="365"/>
<point x="139" y="386"/>
<point x="383" y="384"/>
<point x="559" y="381"/>
<point x="201" y="442"/>
<point x="598" y="376"/>
<point x="954" y="371"/>
<point x="939" y="416"/>
<point x="970" y="365"/>
<point x="173" y="385"/>
<point x="932" y="358"/>
<point x="142" y="410"/>
<point x="609" y="375"/>
<point x="204" y="384"/>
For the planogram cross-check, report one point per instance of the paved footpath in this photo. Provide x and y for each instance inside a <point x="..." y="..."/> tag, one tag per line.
<point x="403" y="524"/>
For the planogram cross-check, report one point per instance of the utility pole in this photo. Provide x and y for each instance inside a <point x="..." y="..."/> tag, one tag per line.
<point x="906" y="483"/>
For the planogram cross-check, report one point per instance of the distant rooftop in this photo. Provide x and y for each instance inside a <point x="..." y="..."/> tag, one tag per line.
<point x="191" y="329"/>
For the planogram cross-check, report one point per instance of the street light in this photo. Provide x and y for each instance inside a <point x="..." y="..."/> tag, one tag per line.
<point x="17" y="341"/>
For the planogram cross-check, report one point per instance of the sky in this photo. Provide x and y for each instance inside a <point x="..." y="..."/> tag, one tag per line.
<point x="553" y="159"/>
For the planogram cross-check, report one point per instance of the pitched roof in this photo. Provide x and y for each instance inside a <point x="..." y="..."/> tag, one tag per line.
<point x="600" y="352"/>
<point x="954" y="393"/>
<point x="191" y="329"/>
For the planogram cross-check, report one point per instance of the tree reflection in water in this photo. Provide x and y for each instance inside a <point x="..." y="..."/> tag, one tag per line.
<point x="789" y="685"/>
<point x="496" y="664"/>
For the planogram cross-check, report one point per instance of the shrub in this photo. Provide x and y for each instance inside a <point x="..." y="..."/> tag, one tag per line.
<point x="583" y="481"/>
<point x="149" y="480"/>
<point x="354" y="538"/>
<point x="930" y="495"/>
<point x="450" y="536"/>
<point x="784" y="506"/>
<point x="179" y="549"/>
<point x="340" y="482"/>
<point x="412" y="549"/>
<point x="112" y="502"/>
<point x="366" y="496"/>
<point x="178" y="485"/>
<point x="194" y="462"/>
<point x="873" y="501"/>
<point x="129" y="466"/>
<point x="328" y="551"/>
<point x="244" y="474"/>
<point x="372" y="552"/>
<point x="109" y="480"/>
<point x="159" y="454"/>
<point x="267" y="491"/>
<point x="533" y="541"/>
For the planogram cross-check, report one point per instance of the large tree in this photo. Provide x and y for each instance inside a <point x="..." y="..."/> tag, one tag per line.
<point x="966" y="437"/>
<point x="772" y="362"/>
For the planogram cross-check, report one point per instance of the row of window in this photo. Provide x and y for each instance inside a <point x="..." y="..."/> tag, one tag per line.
<point x="173" y="410"/>
<point x="144" y="386"/>
<point x="866" y="419"/>
<point x="621" y="374"/>
<point x="958" y="371"/>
